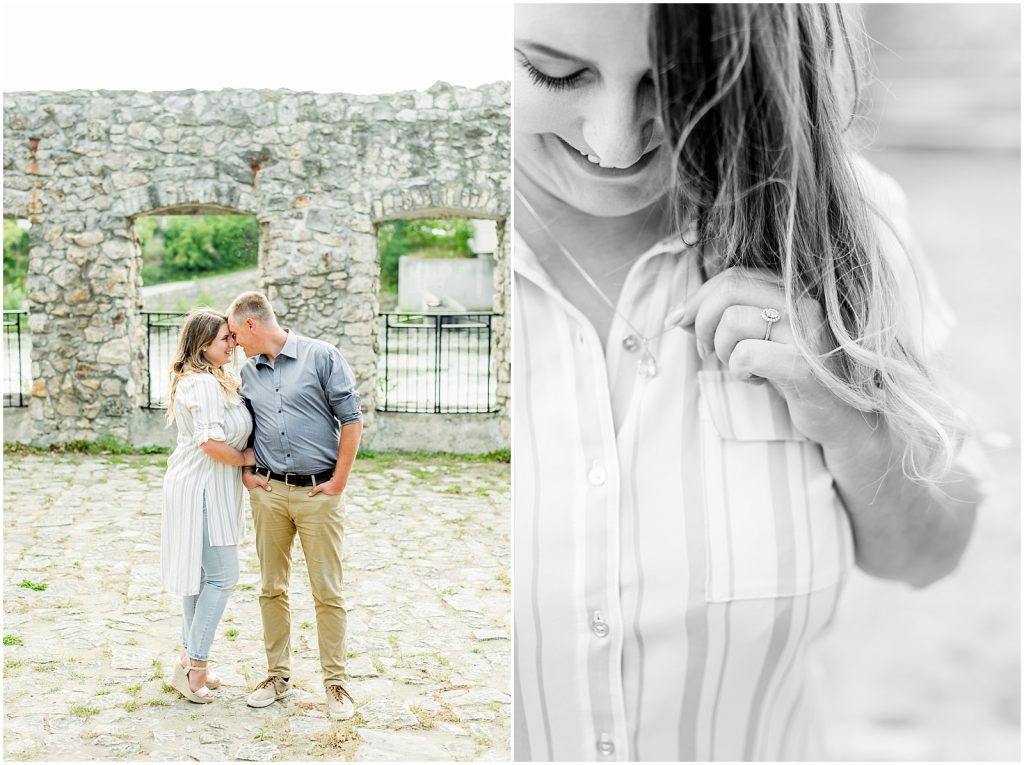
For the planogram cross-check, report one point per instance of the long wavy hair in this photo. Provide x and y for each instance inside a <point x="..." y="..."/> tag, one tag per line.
<point x="201" y="328"/>
<point x="757" y="101"/>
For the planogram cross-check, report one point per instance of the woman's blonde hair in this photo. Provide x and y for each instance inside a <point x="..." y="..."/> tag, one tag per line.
<point x="756" y="101"/>
<point x="201" y="328"/>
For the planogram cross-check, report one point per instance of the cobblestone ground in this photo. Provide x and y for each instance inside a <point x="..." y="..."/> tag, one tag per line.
<point x="87" y="659"/>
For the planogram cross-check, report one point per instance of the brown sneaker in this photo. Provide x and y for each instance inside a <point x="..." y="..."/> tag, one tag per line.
<point x="339" y="703"/>
<point x="268" y="691"/>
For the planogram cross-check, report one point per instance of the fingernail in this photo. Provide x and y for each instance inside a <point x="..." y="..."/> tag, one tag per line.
<point x="673" y="317"/>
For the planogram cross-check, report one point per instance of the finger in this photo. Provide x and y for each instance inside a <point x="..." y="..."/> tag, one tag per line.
<point x="688" y="312"/>
<point x="744" y="322"/>
<point x="314" y="491"/>
<point x="780" y="363"/>
<point x="740" y="292"/>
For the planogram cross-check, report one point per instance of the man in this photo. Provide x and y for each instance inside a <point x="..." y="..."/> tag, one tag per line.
<point x="307" y="426"/>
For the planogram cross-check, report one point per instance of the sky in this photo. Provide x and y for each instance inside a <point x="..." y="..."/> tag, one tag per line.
<point x="307" y="45"/>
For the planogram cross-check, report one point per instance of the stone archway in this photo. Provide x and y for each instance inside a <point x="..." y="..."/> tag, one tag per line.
<point x="317" y="170"/>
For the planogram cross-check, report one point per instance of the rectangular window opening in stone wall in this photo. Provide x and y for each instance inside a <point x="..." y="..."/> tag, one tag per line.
<point x="436" y="324"/>
<point x="189" y="261"/>
<point x="17" y="377"/>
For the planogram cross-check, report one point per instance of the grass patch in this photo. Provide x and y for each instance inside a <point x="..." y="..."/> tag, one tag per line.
<point x="167" y="687"/>
<point x="245" y="586"/>
<point x="12" y="663"/>
<point x="231" y="634"/>
<point x="103" y="692"/>
<point x="481" y="739"/>
<point x="83" y="712"/>
<point x="306" y="625"/>
<point x="390" y="459"/>
<point x="131" y="706"/>
<point x="133" y="689"/>
<point x="158" y="670"/>
<point x="157" y="703"/>
<point x="341" y="740"/>
<point x="12" y="640"/>
<point x="426" y="718"/>
<point x="28" y="584"/>
<point x="102" y="445"/>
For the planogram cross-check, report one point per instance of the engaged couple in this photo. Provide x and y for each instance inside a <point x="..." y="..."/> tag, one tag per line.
<point x="287" y="431"/>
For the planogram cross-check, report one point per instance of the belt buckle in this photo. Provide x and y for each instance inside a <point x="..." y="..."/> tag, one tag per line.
<point x="286" y="479"/>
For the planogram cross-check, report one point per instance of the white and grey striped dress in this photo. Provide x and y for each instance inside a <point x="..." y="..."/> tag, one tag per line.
<point x="202" y="411"/>
<point x="679" y="545"/>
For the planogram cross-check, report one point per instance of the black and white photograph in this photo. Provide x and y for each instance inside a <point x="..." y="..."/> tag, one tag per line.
<point x="766" y="373"/>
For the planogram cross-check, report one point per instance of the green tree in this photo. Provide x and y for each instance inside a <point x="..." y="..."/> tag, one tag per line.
<point x="424" y="238"/>
<point x="16" y="247"/>
<point x="184" y="247"/>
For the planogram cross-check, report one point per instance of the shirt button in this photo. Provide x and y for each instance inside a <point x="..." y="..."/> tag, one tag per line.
<point x="598" y="625"/>
<point x="597" y="475"/>
<point x="605" y="745"/>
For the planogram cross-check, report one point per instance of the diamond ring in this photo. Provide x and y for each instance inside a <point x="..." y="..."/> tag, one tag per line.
<point x="770" y="316"/>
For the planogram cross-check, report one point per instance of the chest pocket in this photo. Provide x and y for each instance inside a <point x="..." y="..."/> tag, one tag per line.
<point x="775" y="526"/>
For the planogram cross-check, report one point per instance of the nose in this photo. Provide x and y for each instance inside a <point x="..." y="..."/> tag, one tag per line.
<point x="621" y="123"/>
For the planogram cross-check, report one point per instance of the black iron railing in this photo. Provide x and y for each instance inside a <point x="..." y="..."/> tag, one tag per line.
<point x="436" y="362"/>
<point x="16" y="359"/>
<point x="162" y="331"/>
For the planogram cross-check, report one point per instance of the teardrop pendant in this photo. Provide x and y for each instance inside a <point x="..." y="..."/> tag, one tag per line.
<point x="647" y="367"/>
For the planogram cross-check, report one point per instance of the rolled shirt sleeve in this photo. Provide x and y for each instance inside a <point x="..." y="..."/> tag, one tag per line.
<point x="927" y="319"/>
<point x="205" y="402"/>
<point x="339" y="386"/>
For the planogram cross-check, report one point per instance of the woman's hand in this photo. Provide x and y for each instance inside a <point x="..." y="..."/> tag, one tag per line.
<point x="903" y="529"/>
<point x="725" y="315"/>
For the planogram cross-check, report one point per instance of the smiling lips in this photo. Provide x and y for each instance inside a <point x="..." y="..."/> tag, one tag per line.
<point x="593" y="164"/>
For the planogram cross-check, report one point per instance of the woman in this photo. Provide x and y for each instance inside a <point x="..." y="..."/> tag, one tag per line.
<point x="202" y="518"/>
<point x="688" y="503"/>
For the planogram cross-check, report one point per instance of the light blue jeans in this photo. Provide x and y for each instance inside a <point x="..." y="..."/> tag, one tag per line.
<point x="203" y="611"/>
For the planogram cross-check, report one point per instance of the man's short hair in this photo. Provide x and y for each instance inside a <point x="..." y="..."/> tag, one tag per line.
<point x="252" y="305"/>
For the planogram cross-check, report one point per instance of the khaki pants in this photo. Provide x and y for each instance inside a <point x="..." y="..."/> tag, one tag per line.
<point x="277" y="515"/>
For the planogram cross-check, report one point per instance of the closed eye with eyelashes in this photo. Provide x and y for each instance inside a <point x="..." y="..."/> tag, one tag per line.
<point x="543" y="79"/>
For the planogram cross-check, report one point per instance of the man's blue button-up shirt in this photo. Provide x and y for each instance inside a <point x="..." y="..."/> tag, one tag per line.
<point x="300" y="402"/>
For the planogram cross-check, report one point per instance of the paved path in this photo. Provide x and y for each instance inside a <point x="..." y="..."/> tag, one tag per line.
<point x="86" y="659"/>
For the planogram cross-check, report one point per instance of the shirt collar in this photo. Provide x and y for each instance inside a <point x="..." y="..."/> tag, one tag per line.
<point x="526" y="262"/>
<point x="288" y="349"/>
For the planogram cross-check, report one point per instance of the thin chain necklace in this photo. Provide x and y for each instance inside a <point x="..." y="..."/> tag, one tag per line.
<point x="647" y="364"/>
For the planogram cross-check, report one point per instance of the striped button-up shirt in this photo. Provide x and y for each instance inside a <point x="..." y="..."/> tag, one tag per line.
<point x="299" y="403"/>
<point x="679" y="546"/>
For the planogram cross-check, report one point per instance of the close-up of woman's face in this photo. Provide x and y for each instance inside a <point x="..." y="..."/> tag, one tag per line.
<point x="586" y="120"/>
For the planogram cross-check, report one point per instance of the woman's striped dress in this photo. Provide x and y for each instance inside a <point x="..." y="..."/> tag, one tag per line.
<point x="202" y="411"/>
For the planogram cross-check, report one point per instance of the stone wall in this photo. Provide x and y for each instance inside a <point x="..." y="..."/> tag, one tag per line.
<point x="319" y="171"/>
